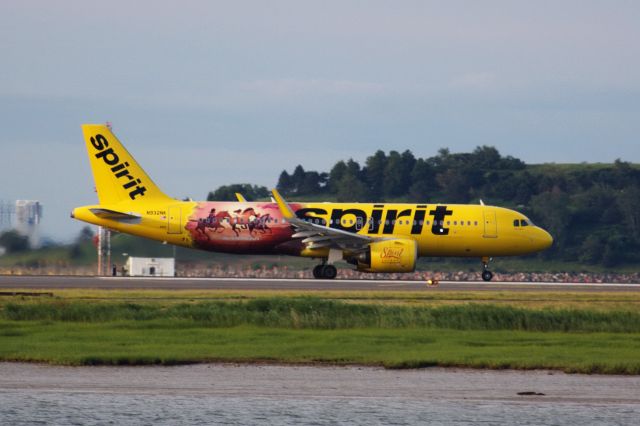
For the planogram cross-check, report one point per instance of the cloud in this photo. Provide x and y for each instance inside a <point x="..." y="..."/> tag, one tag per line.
<point x="475" y="81"/>
<point x="283" y="89"/>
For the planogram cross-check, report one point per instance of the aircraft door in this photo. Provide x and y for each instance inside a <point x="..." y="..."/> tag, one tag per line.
<point x="490" y="224"/>
<point x="174" y="220"/>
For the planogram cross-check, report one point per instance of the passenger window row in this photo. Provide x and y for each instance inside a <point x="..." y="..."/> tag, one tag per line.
<point x="379" y="222"/>
<point x="394" y="222"/>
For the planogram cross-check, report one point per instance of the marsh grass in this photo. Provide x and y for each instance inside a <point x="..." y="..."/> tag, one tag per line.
<point x="317" y="330"/>
<point x="138" y="343"/>
<point x="598" y="301"/>
<point x="316" y="313"/>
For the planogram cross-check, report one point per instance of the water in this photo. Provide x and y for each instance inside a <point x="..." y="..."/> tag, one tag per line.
<point x="285" y="395"/>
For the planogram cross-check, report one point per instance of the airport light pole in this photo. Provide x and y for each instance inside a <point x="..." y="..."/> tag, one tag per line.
<point x="104" y="251"/>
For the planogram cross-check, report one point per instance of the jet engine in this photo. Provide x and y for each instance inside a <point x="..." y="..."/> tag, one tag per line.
<point x="397" y="255"/>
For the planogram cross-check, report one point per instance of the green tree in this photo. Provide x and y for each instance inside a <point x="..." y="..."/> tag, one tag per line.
<point x="285" y="184"/>
<point x="14" y="242"/>
<point x="591" y="249"/>
<point x="525" y="188"/>
<point x="86" y="234"/>
<point x="628" y="201"/>
<point x="489" y="158"/>
<point x="312" y="183"/>
<point x="594" y="205"/>
<point x="297" y="179"/>
<point x="353" y="168"/>
<point x="352" y="189"/>
<point x="336" y="174"/>
<point x="85" y="237"/>
<point x="486" y="157"/>
<point x="551" y="211"/>
<point x="228" y="192"/>
<point x="442" y="160"/>
<point x="423" y="181"/>
<point x="456" y="184"/>
<point x="614" y="251"/>
<point x="302" y="182"/>
<point x="392" y="186"/>
<point x="374" y="173"/>
<point x="408" y="163"/>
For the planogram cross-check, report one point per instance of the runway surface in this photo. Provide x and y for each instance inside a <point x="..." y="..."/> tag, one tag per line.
<point x="127" y="283"/>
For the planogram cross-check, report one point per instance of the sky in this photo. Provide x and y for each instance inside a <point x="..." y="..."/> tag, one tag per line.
<point x="208" y="93"/>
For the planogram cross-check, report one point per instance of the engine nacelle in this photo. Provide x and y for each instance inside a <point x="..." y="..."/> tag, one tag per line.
<point x="398" y="255"/>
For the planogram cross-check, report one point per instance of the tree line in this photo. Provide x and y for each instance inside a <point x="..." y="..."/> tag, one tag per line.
<point x="592" y="210"/>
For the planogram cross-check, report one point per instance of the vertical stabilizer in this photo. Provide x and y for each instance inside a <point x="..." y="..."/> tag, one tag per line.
<point x="117" y="175"/>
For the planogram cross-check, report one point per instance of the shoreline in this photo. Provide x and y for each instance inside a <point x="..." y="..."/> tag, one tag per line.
<point x="232" y="380"/>
<point x="321" y="365"/>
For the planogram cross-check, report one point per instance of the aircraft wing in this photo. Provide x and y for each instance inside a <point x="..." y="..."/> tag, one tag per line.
<point x="319" y="236"/>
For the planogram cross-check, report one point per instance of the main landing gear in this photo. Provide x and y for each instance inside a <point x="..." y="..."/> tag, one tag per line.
<point x="486" y="273"/>
<point x="324" y="271"/>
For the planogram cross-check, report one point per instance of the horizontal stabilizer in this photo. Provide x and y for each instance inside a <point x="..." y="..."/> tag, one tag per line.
<point x="116" y="215"/>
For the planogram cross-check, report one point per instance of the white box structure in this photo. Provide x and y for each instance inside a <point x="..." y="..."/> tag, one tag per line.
<point x="151" y="266"/>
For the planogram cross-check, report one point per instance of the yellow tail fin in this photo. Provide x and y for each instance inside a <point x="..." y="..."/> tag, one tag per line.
<point x="118" y="177"/>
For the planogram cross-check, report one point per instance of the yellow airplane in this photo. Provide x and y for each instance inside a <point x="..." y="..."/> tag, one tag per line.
<point x="375" y="237"/>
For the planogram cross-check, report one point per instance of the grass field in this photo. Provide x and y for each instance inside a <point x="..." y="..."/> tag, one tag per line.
<point x="588" y="333"/>
<point x="602" y="301"/>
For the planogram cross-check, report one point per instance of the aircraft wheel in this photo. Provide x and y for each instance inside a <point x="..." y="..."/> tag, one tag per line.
<point x="329" y="272"/>
<point x="317" y="271"/>
<point x="487" y="275"/>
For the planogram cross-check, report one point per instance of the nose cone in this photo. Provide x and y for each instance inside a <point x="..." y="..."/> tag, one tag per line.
<point x="542" y="240"/>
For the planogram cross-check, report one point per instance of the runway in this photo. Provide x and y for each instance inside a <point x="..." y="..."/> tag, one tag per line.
<point x="132" y="283"/>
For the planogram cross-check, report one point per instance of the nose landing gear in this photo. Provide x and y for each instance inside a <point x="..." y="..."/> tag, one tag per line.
<point x="487" y="275"/>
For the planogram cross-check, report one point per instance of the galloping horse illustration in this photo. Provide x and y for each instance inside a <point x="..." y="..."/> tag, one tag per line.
<point x="214" y="221"/>
<point x="237" y="222"/>
<point x="260" y="224"/>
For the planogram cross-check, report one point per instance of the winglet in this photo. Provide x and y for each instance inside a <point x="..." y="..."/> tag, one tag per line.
<point x="240" y="197"/>
<point x="285" y="210"/>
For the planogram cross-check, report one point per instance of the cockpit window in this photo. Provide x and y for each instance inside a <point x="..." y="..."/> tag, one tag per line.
<point x="516" y="222"/>
<point x="524" y="222"/>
